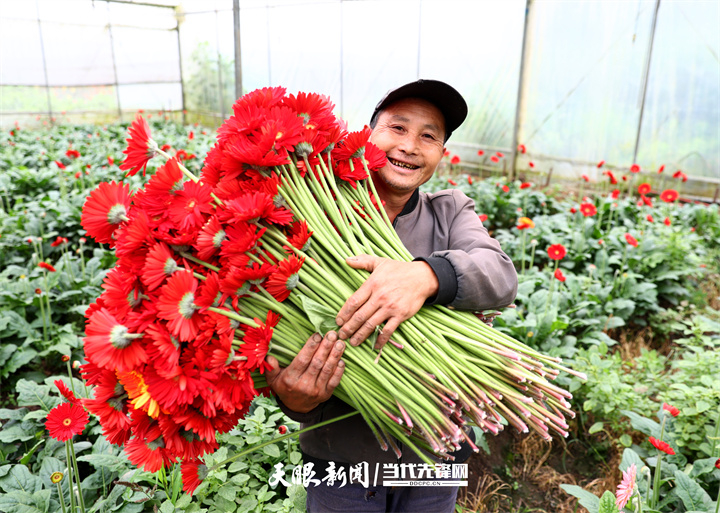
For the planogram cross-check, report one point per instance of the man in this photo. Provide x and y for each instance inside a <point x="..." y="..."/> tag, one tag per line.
<point x="456" y="264"/>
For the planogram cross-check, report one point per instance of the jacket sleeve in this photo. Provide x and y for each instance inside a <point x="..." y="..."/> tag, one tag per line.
<point x="481" y="274"/>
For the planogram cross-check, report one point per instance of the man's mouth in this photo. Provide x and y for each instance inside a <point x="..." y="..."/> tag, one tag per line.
<point x="403" y="165"/>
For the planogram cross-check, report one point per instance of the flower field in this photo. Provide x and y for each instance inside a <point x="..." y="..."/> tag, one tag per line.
<point x="620" y="279"/>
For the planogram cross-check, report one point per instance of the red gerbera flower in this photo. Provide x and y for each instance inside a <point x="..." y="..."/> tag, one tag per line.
<point x="672" y="410"/>
<point x="612" y="178"/>
<point x="353" y="146"/>
<point x="556" y="252"/>
<point x="600" y="164"/>
<point x="58" y="241"/>
<point x="481" y="153"/>
<point x="650" y="218"/>
<point x="104" y="210"/>
<point x="495" y="159"/>
<point x="46" y="266"/>
<point x="193" y="473"/>
<point x="72" y="154"/>
<point x="662" y="446"/>
<point x="455" y="160"/>
<point x="615" y="193"/>
<point x="253" y="207"/>
<point x="110" y="345"/>
<point x="65" y="421"/>
<point x="148" y="450"/>
<point x="667" y="221"/>
<point x="66" y="392"/>
<point x="159" y="264"/>
<point x="531" y="164"/>
<point x="644" y="188"/>
<point x="669" y="195"/>
<point x="298" y="235"/>
<point x="505" y="188"/>
<point x="586" y="178"/>
<point x="521" y="148"/>
<point x="588" y="209"/>
<point x="59" y="164"/>
<point x="189" y="205"/>
<point x="285" y="279"/>
<point x="631" y="240"/>
<point x="256" y="342"/>
<point x="176" y="304"/>
<point x="661" y="169"/>
<point x="470" y="180"/>
<point x="717" y="463"/>
<point x="483" y="218"/>
<point x="141" y="148"/>
<point x="559" y="275"/>
<point x="499" y="154"/>
<point x="452" y="182"/>
<point x="524" y="223"/>
<point x="525" y="185"/>
<point x="634" y="168"/>
<point x="646" y="201"/>
<point x="210" y="239"/>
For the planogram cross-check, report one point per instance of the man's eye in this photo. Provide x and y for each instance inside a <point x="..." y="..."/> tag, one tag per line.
<point x="429" y="136"/>
<point x="396" y="127"/>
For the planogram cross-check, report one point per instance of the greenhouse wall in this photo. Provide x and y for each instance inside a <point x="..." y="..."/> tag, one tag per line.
<point x="574" y="82"/>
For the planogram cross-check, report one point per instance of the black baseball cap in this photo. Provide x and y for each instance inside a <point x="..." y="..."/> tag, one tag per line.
<point x="443" y="96"/>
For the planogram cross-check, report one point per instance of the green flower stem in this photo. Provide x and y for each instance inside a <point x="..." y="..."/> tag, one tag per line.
<point x="522" y="253"/>
<point x="61" y="496"/>
<point x="71" y="487"/>
<point x="280" y="439"/>
<point x="232" y="315"/>
<point x="187" y="255"/>
<point x="42" y="314"/>
<point x="77" y="475"/>
<point x="552" y="288"/>
<point x="82" y="260"/>
<point x="716" y="435"/>
<point x="658" y="478"/>
<point x="70" y="375"/>
<point x="47" y="299"/>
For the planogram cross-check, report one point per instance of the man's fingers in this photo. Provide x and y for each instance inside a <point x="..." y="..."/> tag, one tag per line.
<point x="302" y="360"/>
<point x="351" y="306"/>
<point x="390" y="326"/>
<point x="321" y="354"/>
<point x="334" y="380"/>
<point x="367" y="328"/>
<point x="366" y="262"/>
<point x="330" y="364"/>
<point x="272" y="373"/>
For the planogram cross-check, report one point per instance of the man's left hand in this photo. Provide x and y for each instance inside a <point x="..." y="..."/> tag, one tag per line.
<point x="393" y="293"/>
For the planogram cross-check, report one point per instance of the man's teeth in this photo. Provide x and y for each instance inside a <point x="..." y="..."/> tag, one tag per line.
<point x="402" y="164"/>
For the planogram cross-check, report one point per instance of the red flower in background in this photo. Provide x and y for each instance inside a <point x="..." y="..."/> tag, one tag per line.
<point x="662" y="446"/>
<point x="669" y="195"/>
<point x="717" y="463"/>
<point x="661" y="169"/>
<point x="644" y="188"/>
<point x="646" y="201"/>
<point x="481" y="153"/>
<point x="483" y="218"/>
<point x="505" y="188"/>
<point x="600" y="164"/>
<point x="470" y="180"/>
<point x="615" y="193"/>
<point x="452" y="182"/>
<point x="66" y="392"/>
<point x="588" y="209"/>
<point x="521" y="148"/>
<point x="499" y="154"/>
<point x="104" y="210"/>
<point x="556" y="252"/>
<point x="531" y="164"/>
<point x="65" y="421"/>
<point x="672" y="410"/>
<point x="650" y="218"/>
<point x="586" y="178"/>
<point x="559" y="275"/>
<point x="46" y="266"/>
<point x="495" y="158"/>
<point x="72" y="154"/>
<point x="525" y="185"/>
<point x="193" y="473"/>
<point x="455" y="159"/>
<point x="58" y="241"/>
<point x="634" y="168"/>
<point x="667" y="221"/>
<point x="191" y="136"/>
<point x="631" y="240"/>
<point x="59" y="164"/>
<point x="525" y="223"/>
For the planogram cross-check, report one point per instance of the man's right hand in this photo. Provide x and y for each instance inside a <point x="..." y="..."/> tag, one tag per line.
<point x="312" y="375"/>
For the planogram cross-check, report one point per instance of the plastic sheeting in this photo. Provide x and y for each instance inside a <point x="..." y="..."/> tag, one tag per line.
<point x="584" y="70"/>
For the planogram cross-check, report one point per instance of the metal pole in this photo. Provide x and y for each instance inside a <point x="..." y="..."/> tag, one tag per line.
<point x="522" y="87"/>
<point x="221" y="88"/>
<point x="42" y="51"/>
<point x="417" y="65"/>
<point x="646" y="76"/>
<point x="112" y="53"/>
<point x="182" y="81"/>
<point x="238" y="53"/>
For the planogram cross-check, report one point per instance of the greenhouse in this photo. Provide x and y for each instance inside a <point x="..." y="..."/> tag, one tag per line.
<point x="231" y="280"/>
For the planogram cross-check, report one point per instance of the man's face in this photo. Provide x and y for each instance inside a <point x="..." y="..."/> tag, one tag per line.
<point x="411" y="132"/>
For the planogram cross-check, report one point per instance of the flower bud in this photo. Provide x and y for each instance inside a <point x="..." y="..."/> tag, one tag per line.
<point x="65" y="357"/>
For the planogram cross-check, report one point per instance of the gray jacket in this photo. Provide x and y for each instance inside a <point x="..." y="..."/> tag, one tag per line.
<point x="443" y="230"/>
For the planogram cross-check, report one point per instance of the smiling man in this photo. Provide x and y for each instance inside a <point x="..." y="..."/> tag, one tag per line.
<point x="456" y="264"/>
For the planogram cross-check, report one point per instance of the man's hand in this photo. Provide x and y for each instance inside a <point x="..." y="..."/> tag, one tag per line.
<point x="312" y="375"/>
<point x="393" y="293"/>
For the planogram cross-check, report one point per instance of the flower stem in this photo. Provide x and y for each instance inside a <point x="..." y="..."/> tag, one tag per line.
<point x="77" y="475"/>
<point x="61" y="497"/>
<point x="71" y="487"/>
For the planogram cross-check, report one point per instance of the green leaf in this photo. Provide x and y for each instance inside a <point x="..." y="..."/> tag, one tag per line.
<point x="32" y="394"/>
<point x="228" y="492"/>
<point x="607" y="503"/>
<point x="184" y="501"/>
<point x="625" y="440"/>
<point x="321" y="316"/>
<point x="167" y="507"/>
<point x="702" y="406"/>
<point x="628" y="458"/>
<point x="691" y="494"/>
<point x="20" y="479"/>
<point x="108" y="461"/>
<point x="14" y="434"/>
<point x="586" y="499"/>
<point x="272" y="450"/>
<point x="247" y="504"/>
<point x="642" y="424"/>
<point x="595" y="428"/>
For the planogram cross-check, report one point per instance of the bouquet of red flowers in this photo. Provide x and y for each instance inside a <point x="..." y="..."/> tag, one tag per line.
<point x="217" y="271"/>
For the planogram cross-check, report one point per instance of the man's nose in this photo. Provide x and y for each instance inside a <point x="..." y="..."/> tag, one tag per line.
<point x="408" y="144"/>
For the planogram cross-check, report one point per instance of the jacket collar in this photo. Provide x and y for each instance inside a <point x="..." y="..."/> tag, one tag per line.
<point x="410" y="205"/>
